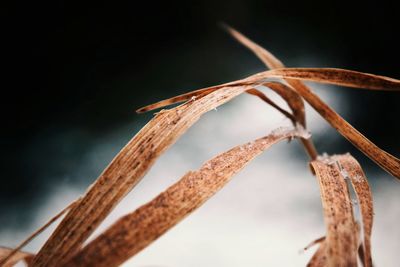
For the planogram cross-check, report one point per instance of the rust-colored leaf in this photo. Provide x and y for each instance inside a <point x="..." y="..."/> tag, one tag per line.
<point x="354" y="172"/>
<point x="190" y="95"/>
<point x="385" y="160"/>
<point x="342" y="231"/>
<point x="332" y="76"/>
<point x="348" y="78"/>
<point x="124" y="172"/>
<point x="137" y="230"/>
<point x="264" y="55"/>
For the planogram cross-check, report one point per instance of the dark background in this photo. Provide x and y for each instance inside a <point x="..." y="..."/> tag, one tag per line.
<point x="89" y="66"/>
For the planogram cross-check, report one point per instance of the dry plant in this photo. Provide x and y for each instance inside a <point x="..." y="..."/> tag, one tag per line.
<point x="342" y="182"/>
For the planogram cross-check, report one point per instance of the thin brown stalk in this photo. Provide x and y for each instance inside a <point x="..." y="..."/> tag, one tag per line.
<point x="267" y="100"/>
<point x="15" y="258"/>
<point x="37" y="232"/>
<point x="314" y="242"/>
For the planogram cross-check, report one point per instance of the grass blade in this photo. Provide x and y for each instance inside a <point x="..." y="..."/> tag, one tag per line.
<point x="348" y="78"/>
<point x="333" y="76"/>
<point x="123" y="173"/>
<point x="190" y="95"/>
<point x="36" y="233"/>
<point x="342" y="231"/>
<point x="137" y="230"/>
<point x="364" y="198"/>
<point x="294" y="101"/>
<point x="385" y="160"/>
<point x="264" y="55"/>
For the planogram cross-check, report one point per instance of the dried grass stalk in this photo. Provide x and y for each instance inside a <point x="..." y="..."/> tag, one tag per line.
<point x="36" y="233"/>
<point x="135" y="231"/>
<point x="124" y="172"/>
<point x="341" y="242"/>
<point x="331" y="76"/>
<point x="355" y="174"/>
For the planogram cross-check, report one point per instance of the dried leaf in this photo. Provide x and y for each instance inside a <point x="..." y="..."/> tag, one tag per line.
<point x="190" y="95"/>
<point x="364" y="198"/>
<point x="137" y="230"/>
<point x="291" y="96"/>
<point x="18" y="256"/>
<point x="332" y="76"/>
<point x="124" y="172"/>
<point x="385" y="160"/>
<point x="342" y="231"/>
<point x="348" y="78"/>
<point x="264" y="55"/>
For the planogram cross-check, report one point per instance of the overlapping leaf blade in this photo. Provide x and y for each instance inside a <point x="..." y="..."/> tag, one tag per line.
<point x="135" y="231"/>
<point x="124" y="172"/>
<point x="331" y="76"/>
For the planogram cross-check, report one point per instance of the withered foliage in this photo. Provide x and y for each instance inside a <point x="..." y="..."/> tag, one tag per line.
<point x="347" y="236"/>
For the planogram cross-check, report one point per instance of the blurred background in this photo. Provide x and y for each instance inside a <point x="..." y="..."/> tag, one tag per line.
<point x="76" y="72"/>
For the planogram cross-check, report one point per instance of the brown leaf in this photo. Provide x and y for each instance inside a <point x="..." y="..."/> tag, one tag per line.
<point x="291" y="96"/>
<point x="18" y="256"/>
<point x="137" y="230"/>
<point x="348" y="78"/>
<point x="364" y="198"/>
<point x="264" y="55"/>
<point x="333" y="76"/>
<point x="124" y="172"/>
<point x="342" y="231"/>
<point x="385" y="160"/>
<point x="190" y="95"/>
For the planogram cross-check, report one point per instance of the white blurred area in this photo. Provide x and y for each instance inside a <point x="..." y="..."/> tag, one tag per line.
<point x="263" y="217"/>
